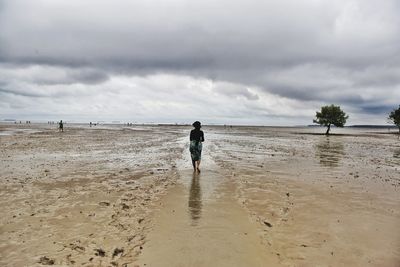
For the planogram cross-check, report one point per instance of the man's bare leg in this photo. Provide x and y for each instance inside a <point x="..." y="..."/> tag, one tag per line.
<point x="194" y="165"/>
<point x="198" y="165"/>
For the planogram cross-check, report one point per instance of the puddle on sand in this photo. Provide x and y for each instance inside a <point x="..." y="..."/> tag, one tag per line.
<point x="195" y="202"/>
<point x="201" y="224"/>
<point x="329" y="151"/>
<point x="11" y="131"/>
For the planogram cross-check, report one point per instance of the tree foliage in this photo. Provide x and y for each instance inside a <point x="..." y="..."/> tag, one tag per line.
<point x="394" y="117"/>
<point x="331" y="115"/>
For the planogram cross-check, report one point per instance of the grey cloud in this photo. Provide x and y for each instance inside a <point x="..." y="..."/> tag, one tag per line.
<point x="81" y="76"/>
<point x="88" y="76"/>
<point x="235" y="90"/>
<point x="50" y="75"/>
<point x="382" y="77"/>
<point x="199" y="36"/>
<point x="341" y="51"/>
<point x="19" y="92"/>
<point x="374" y="109"/>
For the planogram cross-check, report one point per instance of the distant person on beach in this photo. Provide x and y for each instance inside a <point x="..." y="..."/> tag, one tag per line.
<point x="196" y="138"/>
<point x="61" y="126"/>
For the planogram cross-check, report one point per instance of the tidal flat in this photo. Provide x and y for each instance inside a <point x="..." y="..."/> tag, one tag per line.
<point x="115" y="195"/>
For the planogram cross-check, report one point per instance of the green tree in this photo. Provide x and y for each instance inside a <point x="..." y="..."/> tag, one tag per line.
<point x="394" y="117"/>
<point x="331" y="115"/>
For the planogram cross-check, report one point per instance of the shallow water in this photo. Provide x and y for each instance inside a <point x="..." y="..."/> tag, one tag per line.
<point x="200" y="223"/>
<point x="318" y="191"/>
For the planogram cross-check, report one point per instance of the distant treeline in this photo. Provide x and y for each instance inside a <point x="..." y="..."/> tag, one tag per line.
<point x="361" y="126"/>
<point x="373" y="126"/>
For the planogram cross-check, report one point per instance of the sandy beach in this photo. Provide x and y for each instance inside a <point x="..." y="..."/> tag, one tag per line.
<point x="126" y="196"/>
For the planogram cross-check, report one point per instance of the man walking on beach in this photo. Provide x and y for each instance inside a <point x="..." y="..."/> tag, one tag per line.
<point x="61" y="126"/>
<point x="196" y="138"/>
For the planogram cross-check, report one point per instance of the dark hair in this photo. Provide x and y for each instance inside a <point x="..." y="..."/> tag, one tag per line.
<point x="196" y="124"/>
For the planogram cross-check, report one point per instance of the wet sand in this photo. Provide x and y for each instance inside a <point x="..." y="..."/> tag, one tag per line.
<point x="331" y="201"/>
<point x="81" y="197"/>
<point x="200" y="223"/>
<point x="126" y="196"/>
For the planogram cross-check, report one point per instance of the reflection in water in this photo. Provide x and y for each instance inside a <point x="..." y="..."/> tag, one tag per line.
<point x="195" y="198"/>
<point x="329" y="151"/>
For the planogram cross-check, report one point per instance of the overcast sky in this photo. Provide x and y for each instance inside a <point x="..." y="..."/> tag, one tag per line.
<point x="235" y="62"/>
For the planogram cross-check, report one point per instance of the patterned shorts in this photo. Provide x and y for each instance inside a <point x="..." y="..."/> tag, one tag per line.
<point x="195" y="150"/>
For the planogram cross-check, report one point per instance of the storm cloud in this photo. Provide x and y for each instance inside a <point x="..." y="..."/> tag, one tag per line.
<point x="261" y="62"/>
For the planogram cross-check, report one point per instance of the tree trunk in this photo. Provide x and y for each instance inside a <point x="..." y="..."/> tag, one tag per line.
<point x="327" y="130"/>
